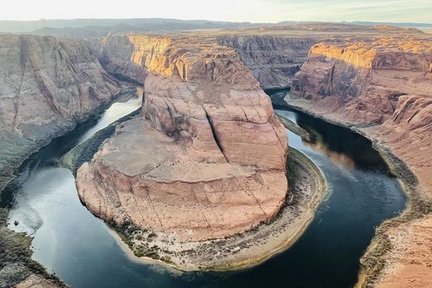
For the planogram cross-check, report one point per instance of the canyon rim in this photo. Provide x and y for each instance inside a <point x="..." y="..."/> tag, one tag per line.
<point x="199" y="176"/>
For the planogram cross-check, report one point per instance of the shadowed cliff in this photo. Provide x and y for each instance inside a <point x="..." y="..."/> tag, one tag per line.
<point x="47" y="86"/>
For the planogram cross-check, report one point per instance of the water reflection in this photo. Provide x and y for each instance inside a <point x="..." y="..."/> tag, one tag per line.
<point x="37" y="192"/>
<point x="116" y="111"/>
<point x="82" y="251"/>
<point x="339" y="144"/>
<point x="338" y="158"/>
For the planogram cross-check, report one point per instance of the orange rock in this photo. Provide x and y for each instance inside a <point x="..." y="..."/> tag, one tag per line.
<point x="384" y="88"/>
<point x="209" y="159"/>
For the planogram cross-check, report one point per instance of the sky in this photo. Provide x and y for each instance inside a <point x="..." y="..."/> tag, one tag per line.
<point x="224" y="10"/>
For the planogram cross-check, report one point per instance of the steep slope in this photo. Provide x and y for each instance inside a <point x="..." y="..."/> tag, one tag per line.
<point x="383" y="88"/>
<point x="206" y="159"/>
<point x="383" y="84"/>
<point x="117" y="56"/>
<point x="46" y="87"/>
<point x="274" y="53"/>
<point x="273" y="60"/>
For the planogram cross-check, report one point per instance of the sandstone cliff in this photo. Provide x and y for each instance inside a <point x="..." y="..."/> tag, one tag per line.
<point x="208" y="160"/>
<point x="273" y="53"/>
<point x="46" y="87"/>
<point x="383" y="84"/>
<point x="117" y="56"/>
<point x="384" y="88"/>
<point x="273" y="60"/>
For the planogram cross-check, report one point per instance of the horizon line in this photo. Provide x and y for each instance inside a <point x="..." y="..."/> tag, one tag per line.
<point x="221" y="21"/>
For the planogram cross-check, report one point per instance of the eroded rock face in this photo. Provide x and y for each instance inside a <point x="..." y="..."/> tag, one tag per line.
<point x="384" y="88"/>
<point x="46" y="87"/>
<point x="273" y="60"/>
<point x="409" y="262"/>
<point x="117" y="56"/>
<point x="208" y="160"/>
<point x="383" y="84"/>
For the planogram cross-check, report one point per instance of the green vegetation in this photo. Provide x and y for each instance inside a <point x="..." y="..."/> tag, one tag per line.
<point x="131" y="234"/>
<point x="144" y="250"/>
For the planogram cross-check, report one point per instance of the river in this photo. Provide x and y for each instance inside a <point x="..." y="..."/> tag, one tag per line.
<point x="81" y="250"/>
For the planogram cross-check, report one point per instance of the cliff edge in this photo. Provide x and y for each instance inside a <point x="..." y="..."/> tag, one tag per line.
<point x="206" y="159"/>
<point x="383" y="88"/>
<point x="47" y="86"/>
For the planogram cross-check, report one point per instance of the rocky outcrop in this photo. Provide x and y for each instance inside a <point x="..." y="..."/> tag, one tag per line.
<point x="121" y="56"/>
<point x="408" y="263"/>
<point x="273" y="60"/>
<point x="206" y="159"/>
<point x="274" y="54"/>
<point x="46" y="87"/>
<point x="383" y="88"/>
<point x="382" y="84"/>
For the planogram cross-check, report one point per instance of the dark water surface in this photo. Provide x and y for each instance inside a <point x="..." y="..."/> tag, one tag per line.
<point x="81" y="250"/>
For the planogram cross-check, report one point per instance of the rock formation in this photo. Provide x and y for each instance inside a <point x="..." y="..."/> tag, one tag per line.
<point x="46" y="87"/>
<point x="273" y="54"/>
<point x="207" y="157"/>
<point x="383" y="84"/>
<point x="383" y="87"/>
<point x="273" y="59"/>
<point x="117" y="56"/>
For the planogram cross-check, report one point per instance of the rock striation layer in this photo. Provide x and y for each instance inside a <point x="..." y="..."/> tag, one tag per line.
<point x="121" y="56"/>
<point x="381" y="85"/>
<point x="274" y="54"/>
<point x="207" y="157"/>
<point x="273" y="59"/>
<point x="47" y="86"/>
<point x="383" y="88"/>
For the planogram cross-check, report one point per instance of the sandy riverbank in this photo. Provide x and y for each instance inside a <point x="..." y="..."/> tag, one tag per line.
<point x="308" y="188"/>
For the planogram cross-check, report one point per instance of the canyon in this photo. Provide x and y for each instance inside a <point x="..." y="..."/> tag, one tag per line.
<point x="273" y="54"/>
<point x="207" y="153"/>
<point x="382" y="87"/>
<point x="47" y="87"/>
<point x="187" y="156"/>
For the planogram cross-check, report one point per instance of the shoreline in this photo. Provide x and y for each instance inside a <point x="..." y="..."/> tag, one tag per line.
<point x="17" y="267"/>
<point x="90" y="118"/>
<point x="84" y="151"/>
<point x="158" y="264"/>
<point x="257" y="245"/>
<point x="38" y="273"/>
<point x="373" y="261"/>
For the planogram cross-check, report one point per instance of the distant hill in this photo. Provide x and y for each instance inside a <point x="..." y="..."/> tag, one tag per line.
<point x="402" y="24"/>
<point x="84" y="28"/>
<point x="89" y="28"/>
